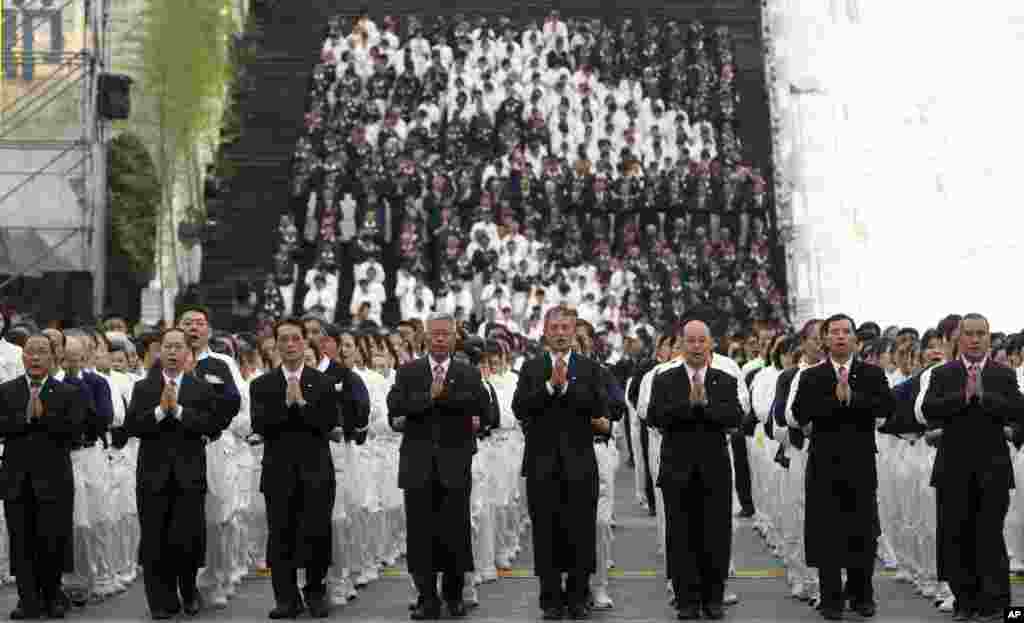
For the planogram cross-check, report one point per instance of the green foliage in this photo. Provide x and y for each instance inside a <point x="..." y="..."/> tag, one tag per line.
<point x="185" y="69"/>
<point x="134" y="194"/>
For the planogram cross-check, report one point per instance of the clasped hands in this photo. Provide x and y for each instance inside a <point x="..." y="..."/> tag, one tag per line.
<point x="293" y="395"/>
<point x="843" y="392"/>
<point x="169" y="400"/>
<point x="698" y="393"/>
<point x="559" y="377"/>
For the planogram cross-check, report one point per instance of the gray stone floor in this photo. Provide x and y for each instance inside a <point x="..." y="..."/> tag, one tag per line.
<point x="638" y="588"/>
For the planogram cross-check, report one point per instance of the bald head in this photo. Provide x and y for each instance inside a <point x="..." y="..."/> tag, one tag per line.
<point x="696" y="337"/>
<point x="74" y="355"/>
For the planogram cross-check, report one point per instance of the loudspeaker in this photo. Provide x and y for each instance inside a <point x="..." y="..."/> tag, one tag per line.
<point x="114" y="96"/>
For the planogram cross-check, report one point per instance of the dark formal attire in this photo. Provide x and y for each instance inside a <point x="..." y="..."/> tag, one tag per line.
<point x="352" y="401"/>
<point x="695" y="477"/>
<point x="643" y="452"/>
<point x="435" y="471"/>
<point x="213" y="369"/>
<point x="37" y="485"/>
<point x="561" y="472"/>
<point x="972" y="476"/>
<point x="171" y="484"/>
<point x="841" y="526"/>
<point x="98" y="411"/>
<point x="297" y="480"/>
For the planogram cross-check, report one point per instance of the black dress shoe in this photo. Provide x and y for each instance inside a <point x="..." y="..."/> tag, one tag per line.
<point x="715" y="612"/>
<point x="286" y="611"/>
<point x="192" y="607"/>
<point x="157" y="615"/>
<point x="553" y="614"/>
<point x="56" y="610"/>
<point x="21" y="613"/>
<point x="746" y="513"/>
<point x="864" y="609"/>
<point x="830" y="613"/>
<point x="424" y="612"/>
<point x="963" y="615"/>
<point x="688" y="613"/>
<point x="579" y="612"/>
<point x="317" y="606"/>
<point x="457" y="609"/>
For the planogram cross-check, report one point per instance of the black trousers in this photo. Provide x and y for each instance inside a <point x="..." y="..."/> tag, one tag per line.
<point x="285" y="515"/>
<point x="172" y="524"/>
<point x="977" y="564"/>
<point x="438" y="539"/>
<point x="698" y="538"/>
<point x="741" y="469"/>
<point x="859" y="587"/>
<point x="646" y="457"/>
<point x="554" y="595"/>
<point x="39" y="532"/>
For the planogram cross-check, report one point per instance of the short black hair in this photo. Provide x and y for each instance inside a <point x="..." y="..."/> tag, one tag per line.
<point x="929" y="335"/>
<point x="166" y="332"/>
<point x="40" y="335"/>
<point x="290" y="321"/>
<point x="194" y="307"/>
<point x="332" y="331"/>
<point x="836" y="318"/>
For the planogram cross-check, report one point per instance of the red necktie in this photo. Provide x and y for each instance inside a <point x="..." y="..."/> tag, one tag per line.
<point x="844" y="375"/>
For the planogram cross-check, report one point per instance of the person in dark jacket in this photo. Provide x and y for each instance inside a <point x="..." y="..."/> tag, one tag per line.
<point x="974" y="399"/>
<point x="558" y="398"/>
<point x="293" y="412"/>
<point x="174" y="414"/>
<point x="39" y="418"/>
<point x="436" y="402"/>
<point x="841" y="399"/>
<point x="693" y="405"/>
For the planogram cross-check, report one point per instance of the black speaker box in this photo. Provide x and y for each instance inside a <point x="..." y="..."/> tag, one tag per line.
<point x="115" y="96"/>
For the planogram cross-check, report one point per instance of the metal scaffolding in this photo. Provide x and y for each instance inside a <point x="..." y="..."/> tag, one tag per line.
<point x="35" y="81"/>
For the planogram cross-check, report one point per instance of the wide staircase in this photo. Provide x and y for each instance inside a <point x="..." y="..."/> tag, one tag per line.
<point x="285" y="41"/>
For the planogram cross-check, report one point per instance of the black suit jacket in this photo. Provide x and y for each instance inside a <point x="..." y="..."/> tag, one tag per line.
<point x="352" y="402"/>
<point x="973" y="440"/>
<point x="39" y="451"/>
<point x="694" y="435"/>
<point x="296" y="437"/>
<point x="217" y="373"/>
<point x="440" y="430"/>
<point x="490" y="419"/>
<point x="782" y="389"/>
<point x="559" y="436"/>
<point x="844" y="435"/>
<point x="173" y="451"/>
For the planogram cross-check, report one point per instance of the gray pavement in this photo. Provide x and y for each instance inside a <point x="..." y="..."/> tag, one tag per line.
<point x="638" y="588"/>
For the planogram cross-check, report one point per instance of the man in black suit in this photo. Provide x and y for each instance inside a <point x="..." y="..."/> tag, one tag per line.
<point x="840" y="401"/>
<point x="220" y="371"/>
<point x="436" y="402"/>
<point x="973" y="398"/>
<point x="39" y="418"/>
<point x="294" y="412"/>
<point x="558" y="398"/>
<point x="173" y="413"/>
<point x="693" y="405"/>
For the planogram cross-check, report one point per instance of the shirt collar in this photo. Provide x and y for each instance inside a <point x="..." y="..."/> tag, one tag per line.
<point x="691" y="371"/>
<point x="324" y="364"/>
<point x="968" y="363"/>
<point x="289" y="375"/>
<point x="206" y="354"/>
<point x="836" y="365"/>
<point x="28" y="380"/>
<point x="176" y="378"/>
<point x="444" y="364"/>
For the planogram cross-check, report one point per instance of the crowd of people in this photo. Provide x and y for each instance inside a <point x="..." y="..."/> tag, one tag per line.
<point x="761" y="408"/>
<point x="493" y="169"/>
